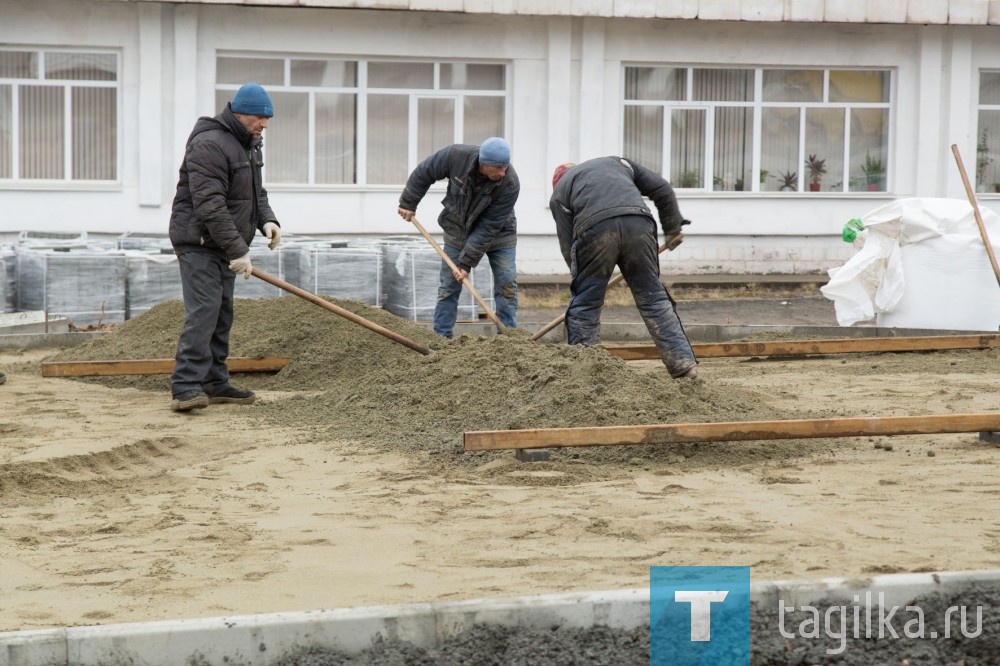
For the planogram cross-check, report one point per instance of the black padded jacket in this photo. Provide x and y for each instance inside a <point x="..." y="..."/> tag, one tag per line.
<point x="606" y="187"/>
<point x="478" y="214"/>
<point x="221" y="201"/>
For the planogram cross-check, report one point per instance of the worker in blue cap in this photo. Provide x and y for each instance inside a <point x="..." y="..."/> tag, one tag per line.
<point x="477" y="220"/>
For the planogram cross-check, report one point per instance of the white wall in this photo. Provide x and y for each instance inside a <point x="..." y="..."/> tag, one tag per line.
<point x="565" y="105"/>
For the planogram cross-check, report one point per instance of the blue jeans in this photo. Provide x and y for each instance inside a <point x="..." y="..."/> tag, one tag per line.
<point x="503" y="265"/>
<point x="630" y="243"/>
<point x="207" y="285"/>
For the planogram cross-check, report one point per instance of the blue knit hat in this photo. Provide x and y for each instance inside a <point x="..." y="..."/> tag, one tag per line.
<point x="251" y="100"/>
<point x="494" y="152"/>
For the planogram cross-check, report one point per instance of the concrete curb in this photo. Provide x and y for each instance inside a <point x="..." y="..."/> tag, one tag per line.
<point x="263" y="639"/>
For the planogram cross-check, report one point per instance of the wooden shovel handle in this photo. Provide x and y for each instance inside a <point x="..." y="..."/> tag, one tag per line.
<point x="467" y="282"/>
<point x="975" y="210"/>
<point x="336" y="309"/>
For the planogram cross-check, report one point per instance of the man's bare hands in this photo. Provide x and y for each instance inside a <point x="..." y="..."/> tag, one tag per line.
<point x="406" y="214"/>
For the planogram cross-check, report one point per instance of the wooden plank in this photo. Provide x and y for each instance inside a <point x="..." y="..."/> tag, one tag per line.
<point x="733" y="431"/>
<point x="153" y="366"/>
<point x="828" y="346"/>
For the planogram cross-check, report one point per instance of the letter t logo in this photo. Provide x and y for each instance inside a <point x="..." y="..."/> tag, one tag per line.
<point x="701" y="610"/>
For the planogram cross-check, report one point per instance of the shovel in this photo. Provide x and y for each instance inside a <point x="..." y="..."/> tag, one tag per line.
<point x="975" y="209"/>
<point x="669" y="244"/>
<point x="467" y="282"/>
<point x="346" y="314"/>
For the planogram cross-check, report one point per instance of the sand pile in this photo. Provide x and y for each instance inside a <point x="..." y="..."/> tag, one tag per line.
<point x="351" y="383"/>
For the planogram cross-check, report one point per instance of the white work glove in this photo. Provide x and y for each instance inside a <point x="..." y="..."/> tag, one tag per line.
<point x="241" y="266"/>
<point x="273" y="233"/>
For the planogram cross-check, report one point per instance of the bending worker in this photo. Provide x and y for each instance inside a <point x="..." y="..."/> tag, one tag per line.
<point x="602" y="221"/>
<point x="477" y="219"/>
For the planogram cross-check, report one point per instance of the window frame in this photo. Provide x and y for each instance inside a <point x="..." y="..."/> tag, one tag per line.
<point x="757" y="105"/>
<point x="363" y="91"/>
<point x="117" y="84"/>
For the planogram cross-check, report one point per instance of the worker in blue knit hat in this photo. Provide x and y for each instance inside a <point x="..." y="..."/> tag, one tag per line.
<point x="477" y="220"/>
<point x="219" y="208"/>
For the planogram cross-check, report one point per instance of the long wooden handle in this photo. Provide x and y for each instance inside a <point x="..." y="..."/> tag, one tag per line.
<point x="975" y="210"/>
<point x="336" y="309"/>
<point x="669" y="244"/>
<point x="467" y="282"/>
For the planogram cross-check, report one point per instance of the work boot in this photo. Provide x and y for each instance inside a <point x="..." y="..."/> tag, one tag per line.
<point x="690" y="374"/>
<point x="229" y="394"/>
<point x="188" y="400"/>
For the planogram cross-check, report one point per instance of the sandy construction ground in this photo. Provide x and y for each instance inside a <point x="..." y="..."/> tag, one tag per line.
<point x="114" y="509"/>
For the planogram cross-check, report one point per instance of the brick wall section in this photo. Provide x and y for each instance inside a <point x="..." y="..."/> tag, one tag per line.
<point x="935" y="12"/>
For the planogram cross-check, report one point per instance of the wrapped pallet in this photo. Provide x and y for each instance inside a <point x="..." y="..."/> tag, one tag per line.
<point x="86" y="286"/>
<point x="410" y="274"/>
<point x="8" y="278"/>
<point x="921" y="263"/>
<point x="353" y="273"/>
<point x="150" y="278"/>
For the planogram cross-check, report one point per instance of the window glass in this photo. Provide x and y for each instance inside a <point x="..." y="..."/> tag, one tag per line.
<point x="779" y="150"/>
<point x="484" y="117"/>
<point x="95" y="122"/>
<point x="419" y="75"/>
<point x="869" y="149"/>
<point x="18" y="65"/>
<point x="388" y="137"/>
<point x="435" y="124"/>
<point x="989" y="88"/>
<point x="823" y="168"/>
<point x="687" y="148"/>
<point x="471" y="76"/>
<point x="325" y="73"/>
<point x="723" y="85"/>
<point x="265" y="71"/>
<point x="858" y="86"/>
<point x="336" y="137"/>
<point x="6" y="122"/>
<point x="81" y="66"/>
<point x="655" y="83"/>
<point x="42" y="146"/>
<point x="793" y="85"/>
<point x="286" y="139"/>
<point x="644" y="135"/>
<point x="733" y="150"/>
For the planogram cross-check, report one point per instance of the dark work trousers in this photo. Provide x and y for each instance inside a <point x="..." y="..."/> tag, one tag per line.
<point x="630" y="243"/>
<point x="207" y="285"/>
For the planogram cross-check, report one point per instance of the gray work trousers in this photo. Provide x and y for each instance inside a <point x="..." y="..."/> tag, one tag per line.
<point x="207" y="285"/>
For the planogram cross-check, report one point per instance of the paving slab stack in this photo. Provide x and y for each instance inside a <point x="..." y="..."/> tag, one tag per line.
<point x="343" y="271"/>
<point x="8" y="279"/>
<point x="85" y="286"/>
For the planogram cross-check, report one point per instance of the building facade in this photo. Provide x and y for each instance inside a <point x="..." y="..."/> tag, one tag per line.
<point x="776" y="120"/>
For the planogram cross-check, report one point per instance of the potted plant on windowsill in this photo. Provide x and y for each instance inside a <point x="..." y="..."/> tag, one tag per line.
<point x="690" y="179"/>
<point x="817" y="169"/>
<point x="789" y="180"/>
<point x="874" y="170"/>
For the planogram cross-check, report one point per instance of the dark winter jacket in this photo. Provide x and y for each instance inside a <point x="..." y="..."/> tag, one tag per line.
<point x="606" y="187"/>
<point x="221" y="201"/>
<point x="478" y="213"/>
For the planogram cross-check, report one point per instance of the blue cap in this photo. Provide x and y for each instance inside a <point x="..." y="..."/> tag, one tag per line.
<point x="494" y="152"/>
<point x="251" y="100"/>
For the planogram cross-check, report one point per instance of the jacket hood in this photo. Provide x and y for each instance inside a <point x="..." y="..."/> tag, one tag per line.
<point x="224" y="121"/>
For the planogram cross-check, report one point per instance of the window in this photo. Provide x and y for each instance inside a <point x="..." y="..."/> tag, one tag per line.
<point x="760" y="130"/>
<point x="366" y="122"/>
<point x="988" y="133"/>
<point x="58" y="115"/>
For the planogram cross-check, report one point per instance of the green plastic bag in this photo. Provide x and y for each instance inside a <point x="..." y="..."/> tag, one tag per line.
<point x="851" y="230"/>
